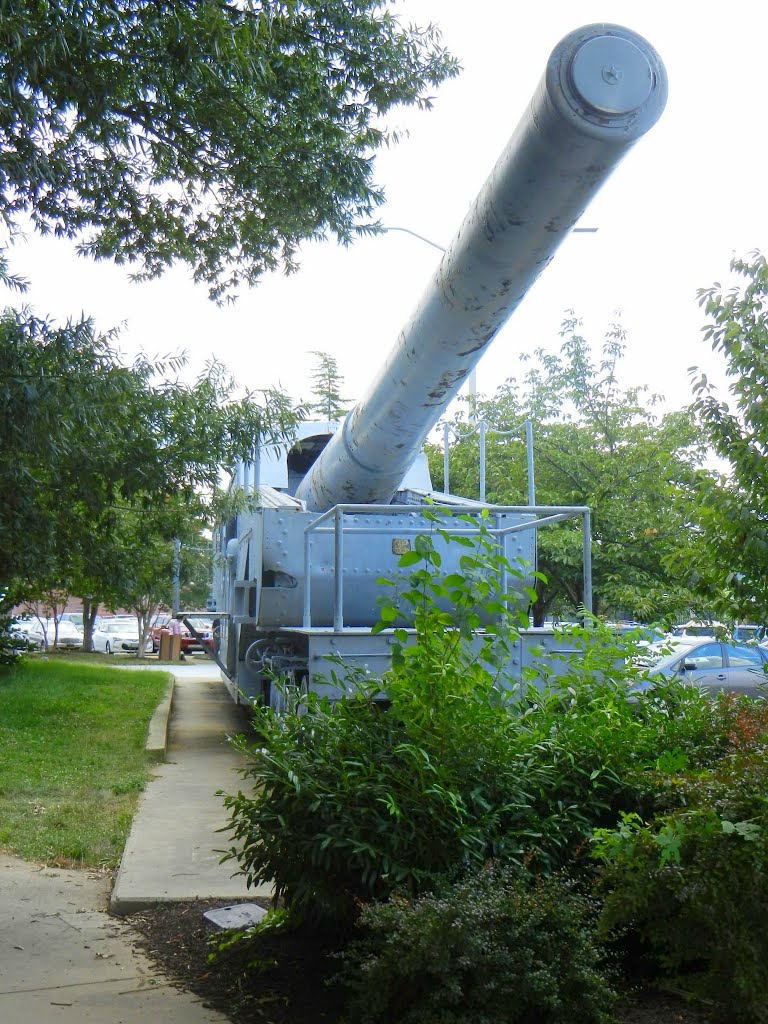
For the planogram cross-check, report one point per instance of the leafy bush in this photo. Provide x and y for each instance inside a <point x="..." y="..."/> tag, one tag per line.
<point x="350" y="801"/>
<point x="492" y="949"/>
<point x="606" y="752"/>
<point x="11" y="647"/>
<point x="446" y="612"/>
<point x="693" y="882"/>
<point x="362" y="800"/>
<point x="741" y="724"/>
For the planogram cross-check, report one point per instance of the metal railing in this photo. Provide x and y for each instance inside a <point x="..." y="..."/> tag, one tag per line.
<point x="332" y="522"/>
<point x="483" y="430"/>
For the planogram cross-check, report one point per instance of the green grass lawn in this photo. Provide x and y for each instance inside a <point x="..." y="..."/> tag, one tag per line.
<point x="72" y="758"/>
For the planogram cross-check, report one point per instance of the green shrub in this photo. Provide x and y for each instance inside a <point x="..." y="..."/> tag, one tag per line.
<point x="343" y="807"/>
<point x="740" y="723"/>
<point x="607" y="753"/>
<point x="349" y="801"/>
<point x="492" y="949"/>
<point x="693" y="882"/>
<point x="347" y="804"/>
<point x="352" y="800"/>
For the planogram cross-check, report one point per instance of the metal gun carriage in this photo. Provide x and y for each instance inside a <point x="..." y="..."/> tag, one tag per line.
<point x="333" y="511"/>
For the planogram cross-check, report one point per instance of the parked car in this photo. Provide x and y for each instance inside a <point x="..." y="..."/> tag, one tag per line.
<point x="747" y="632"/>
<point x="697" y="631"/>
<point x="203" y="625"/>
<point x="740" y="633"/>
<point x="30" y="631"/>
<point x="118" y="635"/>
<point x="42" y="633"/>
<point x="67" y="636"/>
<point x="77" y="618"/>
<point x="638" y="633"/>
<point x="713" y="665"/>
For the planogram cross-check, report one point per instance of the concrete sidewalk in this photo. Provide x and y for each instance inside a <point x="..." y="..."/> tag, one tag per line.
<point x="65" y="960"/>
<point x="171" y="852"/>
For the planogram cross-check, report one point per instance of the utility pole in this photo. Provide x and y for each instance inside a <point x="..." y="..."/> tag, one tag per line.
<point x="175" y="587"/>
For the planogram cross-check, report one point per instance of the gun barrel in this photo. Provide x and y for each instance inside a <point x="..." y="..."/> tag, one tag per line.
<point x="603" y="88"/>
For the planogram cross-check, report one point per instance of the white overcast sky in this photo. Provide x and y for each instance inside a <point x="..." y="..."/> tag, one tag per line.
<point x="689" y="196"/>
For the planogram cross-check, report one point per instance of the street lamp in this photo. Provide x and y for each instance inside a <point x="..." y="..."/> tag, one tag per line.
<point x="416" y="235"/>
<point x="441" y="248"/>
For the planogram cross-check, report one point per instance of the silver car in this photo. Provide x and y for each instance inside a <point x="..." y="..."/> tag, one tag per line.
<point x="715" y="666"/>
<point x="30" y="632"/>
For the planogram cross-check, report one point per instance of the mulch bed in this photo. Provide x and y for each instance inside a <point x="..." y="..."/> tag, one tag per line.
<point x="286" y="980"/>
<point x="282" y="981"/>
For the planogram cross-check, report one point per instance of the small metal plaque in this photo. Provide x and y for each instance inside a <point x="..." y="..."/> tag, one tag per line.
<point x="400" y="545"/>
<point x="240" y="916"/>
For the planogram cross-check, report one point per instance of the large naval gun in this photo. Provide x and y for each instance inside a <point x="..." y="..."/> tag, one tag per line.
<point x="296" y="582"/>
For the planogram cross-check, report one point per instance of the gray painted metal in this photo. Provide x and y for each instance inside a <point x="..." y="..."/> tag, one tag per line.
<point x="284" y="558"/>
<point x="603" y="88"/>
<point x="361" y="650"/>
<point x="371" y="526"/>
<point x="484" y="431"/>
<point x="529" y="462"/>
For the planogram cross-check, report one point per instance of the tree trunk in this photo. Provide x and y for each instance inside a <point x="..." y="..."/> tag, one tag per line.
<point x="90" y="611"/>
<point x="542" y="604"/>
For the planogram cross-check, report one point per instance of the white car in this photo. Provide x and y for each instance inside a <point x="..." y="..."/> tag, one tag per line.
<point x="69" y="634"/>
<point x="44" y="634"/>
<point x="118" y="635"/>
<point x="693" y="631"/>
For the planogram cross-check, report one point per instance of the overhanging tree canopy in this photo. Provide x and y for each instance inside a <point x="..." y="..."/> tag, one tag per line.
<point x="726" y="555"/>
<point x="220" y="134"/>
<point x="85" y="437"/>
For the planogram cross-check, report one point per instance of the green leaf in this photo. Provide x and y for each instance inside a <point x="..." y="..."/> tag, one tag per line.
<point x="107" y="104"/>
<point x="409" y="558"/>
<point x="669" y="840"/>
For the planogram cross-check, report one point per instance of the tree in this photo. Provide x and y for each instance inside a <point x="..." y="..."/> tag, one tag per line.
<point x="219" y="133"/>
<point x="598" y="445"/>
<point x="726" y="554"/>
<point x="47" y="607"/>
<point x="84" y="439"/>
<point x="145" y="540"/>
<point x="328" y="381"/>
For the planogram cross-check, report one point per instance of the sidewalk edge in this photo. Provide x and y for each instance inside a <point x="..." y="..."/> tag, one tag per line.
<point x="157" y="734"/>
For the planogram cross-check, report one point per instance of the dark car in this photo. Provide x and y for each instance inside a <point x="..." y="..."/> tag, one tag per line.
<point x="202" y="624"/>
<point x="715" y="666"/>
